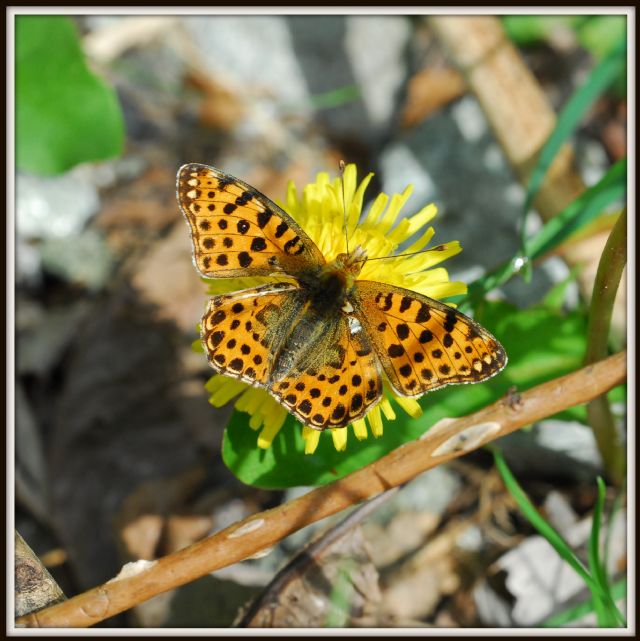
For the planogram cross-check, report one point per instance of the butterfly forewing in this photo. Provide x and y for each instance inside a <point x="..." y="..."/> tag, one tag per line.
<point x="237" y="231"/>
<point x="421" y="343"/>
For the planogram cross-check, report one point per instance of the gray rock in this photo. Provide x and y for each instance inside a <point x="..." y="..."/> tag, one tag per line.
<point x="376" y="46"/>
<point x="53" y="207"/>
<point x="84" y="259"/>
<point x="42" y="344"/>
<point x="250" y="51"/>
<point x="553" y="450"/>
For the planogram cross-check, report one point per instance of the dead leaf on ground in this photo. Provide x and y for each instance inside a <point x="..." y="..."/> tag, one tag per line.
<point x="429" y="90"/>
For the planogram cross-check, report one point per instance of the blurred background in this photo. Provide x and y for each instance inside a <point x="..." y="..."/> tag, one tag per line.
<point x="117" y="449"/>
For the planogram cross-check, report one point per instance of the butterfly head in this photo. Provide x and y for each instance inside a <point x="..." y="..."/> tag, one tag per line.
<point x="351" y="264"/>
<point x="338" y="276"/>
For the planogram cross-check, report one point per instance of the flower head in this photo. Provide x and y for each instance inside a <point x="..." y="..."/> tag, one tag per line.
<point x="330" y="213"/>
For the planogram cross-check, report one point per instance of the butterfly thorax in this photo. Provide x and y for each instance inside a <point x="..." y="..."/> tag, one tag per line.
<point x="329" y="287"/>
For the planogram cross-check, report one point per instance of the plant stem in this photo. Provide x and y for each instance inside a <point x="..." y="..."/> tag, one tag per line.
<point x="610" y="268"/>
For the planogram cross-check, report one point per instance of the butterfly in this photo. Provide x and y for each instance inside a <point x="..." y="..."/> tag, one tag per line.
<point x="321" y="342"/>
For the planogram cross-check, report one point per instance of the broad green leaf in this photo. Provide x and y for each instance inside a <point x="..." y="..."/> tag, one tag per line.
<point x="65" y="114"/>
<point x="541" y="345"/>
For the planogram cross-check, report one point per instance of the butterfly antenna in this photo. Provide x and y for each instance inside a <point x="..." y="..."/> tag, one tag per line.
<point x="341" y="166"/>
<point x="438" y="248"/>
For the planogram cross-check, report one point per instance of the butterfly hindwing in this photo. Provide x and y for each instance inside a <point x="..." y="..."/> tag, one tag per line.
<point x="421" y="343"/>
<point x="334" y="378"/>
<point x="237" y="231"/>
<point x="241" y="331"/>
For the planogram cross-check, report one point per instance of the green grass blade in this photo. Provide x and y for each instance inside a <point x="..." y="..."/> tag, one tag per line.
<point x="576" y="215"/>
<point x="340" y="597"/>
<point x="607" y="612"/>
<point x="615" y="508"/>
<point x="538" y="522"/>
<point x="595" y="565"/>
<point x="335" y="97"/>
<point x="603" y="613"/>
<point x="618" y="591"/>
<point x="599" y="80"/>
<point x="611" y="187"/>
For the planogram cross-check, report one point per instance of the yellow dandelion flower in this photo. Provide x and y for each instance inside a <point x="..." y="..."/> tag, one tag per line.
<point x="322" y="210"/>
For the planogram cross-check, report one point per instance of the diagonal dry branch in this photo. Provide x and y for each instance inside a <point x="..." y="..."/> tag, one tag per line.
<point x="443" y="442"/>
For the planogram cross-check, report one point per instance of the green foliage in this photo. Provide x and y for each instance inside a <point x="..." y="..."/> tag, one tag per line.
<point x="602" y="34"/>
<point x="336" y="97"/>
<point x="531" y="30"/>
<point x="341" y="595"/>
<point x="559" y="348"/>
<point x="595" y="578"/>
<point x="582" y="211"/>
<point x="65" y="114"/>
<point x="598" y="34"/>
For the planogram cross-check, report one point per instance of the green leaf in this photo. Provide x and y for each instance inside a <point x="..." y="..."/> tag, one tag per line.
<point x="560" y="342"/>
<point x="606" y="611"/>
<point x="65" y="114"/>
<point x="602" y="34"/>
<point x="336" y="97"/>
<point x="537" y="521"/>
<point x="556" y="296"/>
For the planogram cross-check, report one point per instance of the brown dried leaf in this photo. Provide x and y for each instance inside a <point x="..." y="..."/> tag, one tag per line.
<point x="429" y="90"/>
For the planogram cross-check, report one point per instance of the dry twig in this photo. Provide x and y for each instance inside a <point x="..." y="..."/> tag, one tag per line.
<point x="442" y="443"/>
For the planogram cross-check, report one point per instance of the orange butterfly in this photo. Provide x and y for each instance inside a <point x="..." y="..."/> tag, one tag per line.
<point x="321" y="344"/>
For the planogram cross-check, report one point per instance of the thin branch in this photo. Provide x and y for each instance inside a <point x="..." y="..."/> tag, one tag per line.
<point x="443" y="442"/>
<point x="610" y="268"/>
